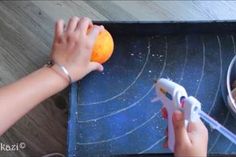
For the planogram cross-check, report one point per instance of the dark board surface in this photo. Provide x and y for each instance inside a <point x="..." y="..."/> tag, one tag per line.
<point x="111" y="112"/>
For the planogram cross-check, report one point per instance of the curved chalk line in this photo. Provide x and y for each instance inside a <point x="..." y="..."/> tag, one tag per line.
<point x="118" y="137"/>
<point x="127" y="88"/>
<point x="233" y="41"/>
<point x="123" y="109"/>
<point x="228" y="148"/>
<point x="118" y="111"/>
<point x="220" y="51"/>
<point x="129" y="132"/>
<point x="218" y="87"/>
<point x="203" y="66"/>
<point x="185" y="59"/>
<point x="153" y="145"/>
<point x="218" y="136"/>
<point x="203" y="51"/>
<point x="130" y="106"/>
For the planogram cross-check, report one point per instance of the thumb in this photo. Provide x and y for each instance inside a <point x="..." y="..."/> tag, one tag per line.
<point x="95" y="66"/>
<point x="181" y="135"/>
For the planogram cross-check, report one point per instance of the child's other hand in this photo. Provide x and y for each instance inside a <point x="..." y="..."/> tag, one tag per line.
<point x="72" y="46"/>
<point x="191" y="141"/>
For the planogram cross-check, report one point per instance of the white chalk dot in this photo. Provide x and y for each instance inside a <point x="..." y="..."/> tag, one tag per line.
<point x="150" y="71"/>
<point x="132" y="54"/>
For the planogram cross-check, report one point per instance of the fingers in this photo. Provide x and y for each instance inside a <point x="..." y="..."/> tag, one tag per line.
<point x="197" y="129"/>
<point x="94" y="32"/>
<point x="181" y="135"/>
<point x="197" y="126"/>
<point x="93" y="66"/>
<point x="72" y="24"/>
<point x="164" y="113"/>
<point x="165" y="116"/>
<point x="78" y="26"/>
<point x="59" y="29"/>
<point x="193" y="126"/>
<point x="84" y="24"/>
<point x="166" y="131"/>
<point x="165" y="145"/>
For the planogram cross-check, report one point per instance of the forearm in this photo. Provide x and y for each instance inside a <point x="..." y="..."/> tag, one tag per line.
<point x="20" y="97"/>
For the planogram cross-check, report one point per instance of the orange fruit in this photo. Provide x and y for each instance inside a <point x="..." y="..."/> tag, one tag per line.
<point x="103" y="47"/>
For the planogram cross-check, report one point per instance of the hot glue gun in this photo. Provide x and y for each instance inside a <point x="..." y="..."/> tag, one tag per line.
<point x="174" y="97"/>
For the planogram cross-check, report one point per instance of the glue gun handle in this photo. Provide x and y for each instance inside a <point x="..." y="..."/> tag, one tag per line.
<point x="171" y="133"/>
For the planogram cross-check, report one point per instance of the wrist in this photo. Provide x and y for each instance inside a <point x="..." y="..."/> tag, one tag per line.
<point x="55" y="77"/>
<point x="61" y="74"/>
<point x="61" y="70"/>
<point x="67" y="72"/>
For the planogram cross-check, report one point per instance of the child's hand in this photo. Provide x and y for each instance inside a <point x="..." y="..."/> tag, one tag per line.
<point x="191" y="141"/>
<point x="72" y="46"/>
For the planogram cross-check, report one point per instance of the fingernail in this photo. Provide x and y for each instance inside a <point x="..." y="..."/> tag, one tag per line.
<point x="102" y="27"/>
<point x="177" y="115"/>
<point x="164" y="113"/>
<point x="165" y="145"/>
<point x="101" y="68"/>
<point x="166" y="131"/>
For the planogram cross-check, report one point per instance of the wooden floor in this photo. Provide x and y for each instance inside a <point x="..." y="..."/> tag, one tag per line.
<point x="26" y="31"/>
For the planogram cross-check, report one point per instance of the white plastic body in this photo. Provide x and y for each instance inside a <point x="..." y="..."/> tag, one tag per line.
<point x="191" y="108"/>
<point x="170" y="94"/>
<point x="174" y="97"/>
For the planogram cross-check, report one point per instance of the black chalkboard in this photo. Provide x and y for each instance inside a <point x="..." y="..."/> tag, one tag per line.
<point x="111" y="112"/>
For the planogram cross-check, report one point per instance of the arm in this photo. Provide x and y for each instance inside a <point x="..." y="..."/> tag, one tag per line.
<point x="71" y="48"/>
<point x="20" y="97"/>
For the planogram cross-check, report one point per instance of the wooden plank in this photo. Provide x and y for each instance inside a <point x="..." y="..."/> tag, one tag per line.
<point x="111" y="11"/>
<point x="162" y="10"/>
<point x="66" y="9"/>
